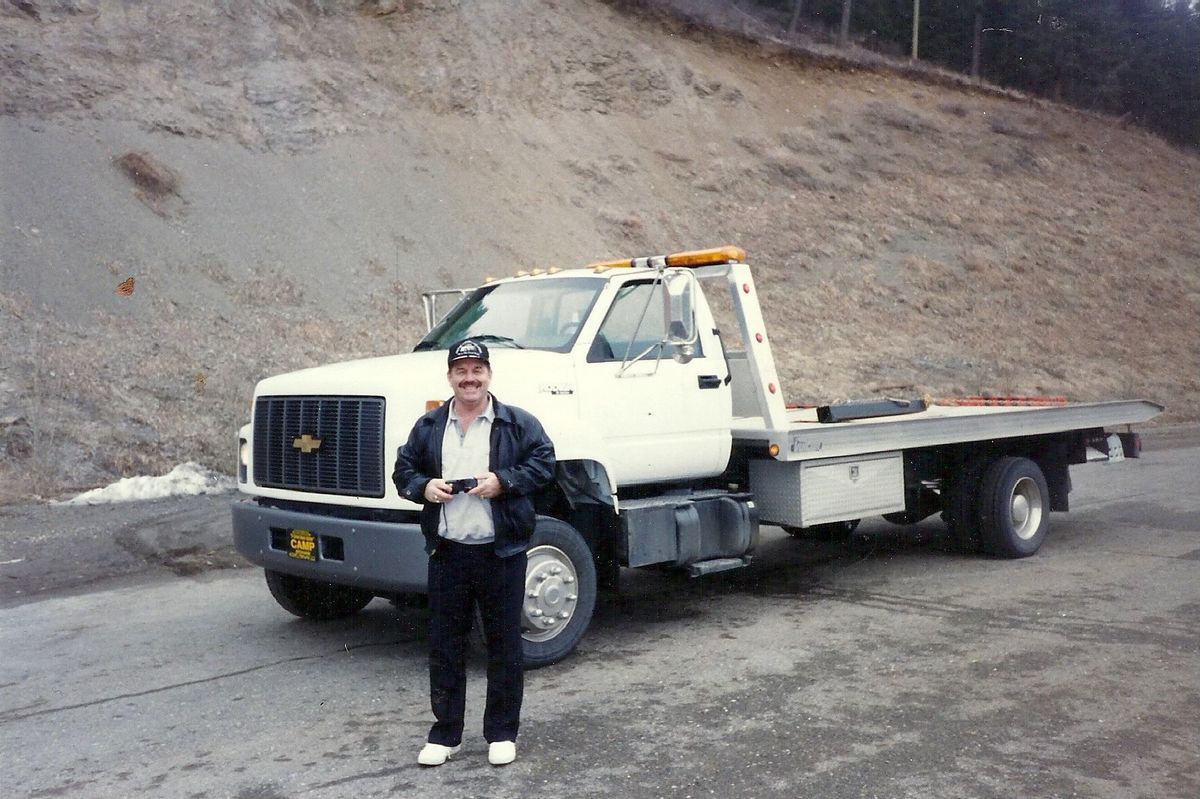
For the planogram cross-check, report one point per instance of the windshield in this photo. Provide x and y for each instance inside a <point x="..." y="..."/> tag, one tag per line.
<point x="535" y="314"/>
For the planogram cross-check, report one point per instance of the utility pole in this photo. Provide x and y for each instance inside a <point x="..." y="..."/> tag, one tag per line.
<point x="916" y="27"/>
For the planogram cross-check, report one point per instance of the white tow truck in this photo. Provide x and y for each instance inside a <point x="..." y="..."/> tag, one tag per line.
<point x="672" y="449"/>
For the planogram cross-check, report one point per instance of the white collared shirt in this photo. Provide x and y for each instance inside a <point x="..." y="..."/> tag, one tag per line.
<point x="465" y="453"/>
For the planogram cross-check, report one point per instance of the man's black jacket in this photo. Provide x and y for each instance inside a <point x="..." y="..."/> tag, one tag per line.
<point x="521" y="456"/>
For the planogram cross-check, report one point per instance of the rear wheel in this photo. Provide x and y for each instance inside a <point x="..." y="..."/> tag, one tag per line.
<point x="311" y="599"/>
<point x="560" y="592"/>
<point x="1014" y="508"/>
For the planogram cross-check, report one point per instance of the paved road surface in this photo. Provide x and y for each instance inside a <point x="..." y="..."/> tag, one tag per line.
<point x="885" y="668"/>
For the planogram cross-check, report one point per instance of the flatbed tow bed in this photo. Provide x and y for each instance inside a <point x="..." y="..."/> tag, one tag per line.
<point x="805" y="438"/>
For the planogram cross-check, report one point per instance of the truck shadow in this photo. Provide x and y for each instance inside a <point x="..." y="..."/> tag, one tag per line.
<point x="783" y="566"/>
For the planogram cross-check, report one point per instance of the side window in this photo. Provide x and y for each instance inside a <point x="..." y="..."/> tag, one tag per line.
<point x="634" y="327"/>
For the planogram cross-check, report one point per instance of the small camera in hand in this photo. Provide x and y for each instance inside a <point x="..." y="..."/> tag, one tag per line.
<point x="462" y="486"/>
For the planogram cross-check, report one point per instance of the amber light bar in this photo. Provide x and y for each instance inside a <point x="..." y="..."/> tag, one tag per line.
<point x="688" y="258"/>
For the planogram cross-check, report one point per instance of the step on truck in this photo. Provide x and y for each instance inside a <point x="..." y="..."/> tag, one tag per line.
<point x="672" y="448"/>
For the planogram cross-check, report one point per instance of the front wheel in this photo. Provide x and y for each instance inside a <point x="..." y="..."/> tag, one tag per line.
<point x="1014" y="508"/>
<point x="560" y="592"/>
<point x="311" y="599"/>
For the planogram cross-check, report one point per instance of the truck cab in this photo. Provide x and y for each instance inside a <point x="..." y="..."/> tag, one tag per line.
<point x="647" y="407"/>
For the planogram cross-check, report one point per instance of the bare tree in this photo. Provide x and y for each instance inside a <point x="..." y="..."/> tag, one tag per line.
<point x="978" y="44"/>
<point x="916" y="29"/>
<point x="796" y="9"/>
<point x="844" y="34"/>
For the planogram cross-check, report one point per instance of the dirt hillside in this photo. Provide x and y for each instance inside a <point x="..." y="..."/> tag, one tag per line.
<point x="282" y="178"/>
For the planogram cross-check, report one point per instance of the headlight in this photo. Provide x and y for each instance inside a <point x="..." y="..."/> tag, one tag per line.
<point x="243" y="460"/>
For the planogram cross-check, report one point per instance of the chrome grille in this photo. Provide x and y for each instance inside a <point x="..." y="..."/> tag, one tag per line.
<point x="349" y="459"/>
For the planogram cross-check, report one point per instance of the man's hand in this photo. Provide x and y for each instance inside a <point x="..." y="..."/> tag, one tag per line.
<point x="437" y="491"/>
<point x="489" y="486"/>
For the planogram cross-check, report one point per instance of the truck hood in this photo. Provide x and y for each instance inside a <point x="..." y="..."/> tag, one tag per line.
<point x="538" y="381"/>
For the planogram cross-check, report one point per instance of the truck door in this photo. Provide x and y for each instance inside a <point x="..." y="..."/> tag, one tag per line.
<point x="660" y="418"/>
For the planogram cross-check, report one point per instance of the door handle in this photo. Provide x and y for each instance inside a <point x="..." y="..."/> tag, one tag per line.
<point x="709" y="381"/>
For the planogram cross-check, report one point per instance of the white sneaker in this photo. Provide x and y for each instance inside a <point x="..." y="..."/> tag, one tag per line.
<point x="436" y="754"/>
<point x="501" y="753"/>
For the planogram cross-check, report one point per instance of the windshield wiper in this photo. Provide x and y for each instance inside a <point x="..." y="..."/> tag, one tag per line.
<point x="493" y="339"/>
<point x="488" y="337"/>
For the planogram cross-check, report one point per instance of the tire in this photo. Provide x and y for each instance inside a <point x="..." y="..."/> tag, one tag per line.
<point x="832" y="531"/>
<point x="311" y="599"/>
<point x="1014" y="508"/>
<point x="560" y="584"/>
<point x="959" y="493"/>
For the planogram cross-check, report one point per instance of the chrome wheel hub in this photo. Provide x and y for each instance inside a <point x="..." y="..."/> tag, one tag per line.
<point x="551" y="593"/>
<point x="1026" y="508"/>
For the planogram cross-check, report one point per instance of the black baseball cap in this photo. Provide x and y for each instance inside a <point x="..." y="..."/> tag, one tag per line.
<point x="467" y="348"/>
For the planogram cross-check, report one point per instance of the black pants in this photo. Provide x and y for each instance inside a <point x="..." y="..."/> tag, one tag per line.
<point x="459" y="576"/>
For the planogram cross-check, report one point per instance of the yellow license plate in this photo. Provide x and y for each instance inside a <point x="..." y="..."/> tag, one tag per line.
<point x="302" y="545"/>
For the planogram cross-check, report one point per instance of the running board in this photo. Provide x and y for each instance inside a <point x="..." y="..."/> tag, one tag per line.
<point x="703" y="567"/>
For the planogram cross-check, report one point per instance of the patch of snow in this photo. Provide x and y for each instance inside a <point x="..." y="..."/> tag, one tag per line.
<point x="186" y="479"/>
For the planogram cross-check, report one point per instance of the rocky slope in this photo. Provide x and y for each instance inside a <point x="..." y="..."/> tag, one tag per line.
<point x="282" y="178"/>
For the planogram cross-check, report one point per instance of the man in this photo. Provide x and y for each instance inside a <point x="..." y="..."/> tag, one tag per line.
<point x="476" y="540"/>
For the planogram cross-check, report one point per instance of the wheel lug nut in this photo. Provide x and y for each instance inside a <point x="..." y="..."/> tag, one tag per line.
<point x="542" y="576"/>
<point x="531" y="594"/>
<point x="568" y="579"/>
<point x="536" y="612"/>
<point x="571" y="597"/>
<point x="556" y="570"/>
<point x="564" y="615"/>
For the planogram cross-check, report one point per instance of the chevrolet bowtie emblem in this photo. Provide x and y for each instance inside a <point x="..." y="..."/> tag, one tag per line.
<point x="306" y="443"/>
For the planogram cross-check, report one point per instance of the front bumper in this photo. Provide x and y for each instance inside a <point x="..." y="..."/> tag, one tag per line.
<point x="383" y="557"/>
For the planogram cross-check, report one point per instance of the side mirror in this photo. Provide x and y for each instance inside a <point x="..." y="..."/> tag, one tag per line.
<point x="678" y="292"/>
